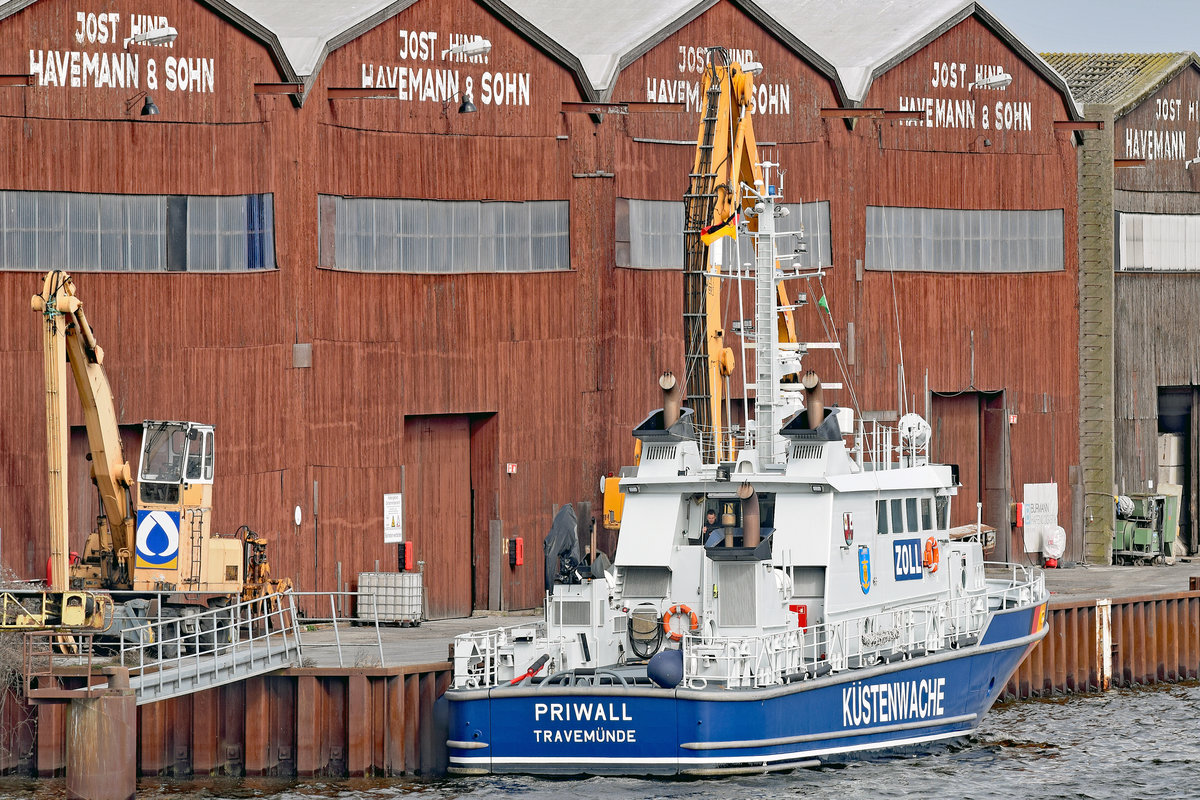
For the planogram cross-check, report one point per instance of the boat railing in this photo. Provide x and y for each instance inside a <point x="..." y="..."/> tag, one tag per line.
<point x="861" y="641"/>
<point x="1010" y="585"/>
<point x="490" y="657"/>
<point x="509" y="655"/>
<point x="880" y="446"/>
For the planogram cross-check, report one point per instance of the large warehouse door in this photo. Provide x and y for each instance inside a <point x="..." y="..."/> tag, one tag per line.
<point x="1178" y="432"/>
<point x="437" y="515"/>
<point x="970" y="429"/>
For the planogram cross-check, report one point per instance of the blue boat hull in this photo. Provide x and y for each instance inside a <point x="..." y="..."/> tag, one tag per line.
<point x="644" y="731"/>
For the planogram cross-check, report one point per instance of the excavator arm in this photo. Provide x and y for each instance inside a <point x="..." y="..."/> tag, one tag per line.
<point x="68" y="339"/>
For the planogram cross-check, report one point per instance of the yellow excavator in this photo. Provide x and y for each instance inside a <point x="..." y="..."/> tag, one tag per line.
<point x="726" y="160"/>
<point x="154" y="535"/>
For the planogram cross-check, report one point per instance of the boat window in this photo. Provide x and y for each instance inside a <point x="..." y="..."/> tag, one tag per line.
<point x="881" y="513"/>
<point x="911" y="508"/>
<point x="897" y="516"/>
<point x="926" y="514"/>
<point x="943" y="511"/>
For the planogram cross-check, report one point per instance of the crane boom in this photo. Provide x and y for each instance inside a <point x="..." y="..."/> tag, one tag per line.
<point x="726" y="160"/>
<point x="69" y="338"/>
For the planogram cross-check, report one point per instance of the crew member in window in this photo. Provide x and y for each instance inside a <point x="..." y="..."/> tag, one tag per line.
<point x="710" y="524"/>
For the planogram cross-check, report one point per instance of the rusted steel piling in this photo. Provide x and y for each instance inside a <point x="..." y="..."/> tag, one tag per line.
<point x="1094" y="645"/>
<point x="101" y="742"/>
<point x="303" y="721"/>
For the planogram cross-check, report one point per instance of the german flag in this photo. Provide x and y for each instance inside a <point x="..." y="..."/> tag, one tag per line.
<point x="711" y="233"/>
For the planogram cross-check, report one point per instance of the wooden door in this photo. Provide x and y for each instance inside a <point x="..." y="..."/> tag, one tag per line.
<point x="437" y="514"/>
<point x="956" y="437"/>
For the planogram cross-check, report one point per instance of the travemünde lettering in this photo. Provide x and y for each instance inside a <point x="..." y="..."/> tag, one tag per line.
<point x="869" y="704"/>
<point x="583" y="712"/>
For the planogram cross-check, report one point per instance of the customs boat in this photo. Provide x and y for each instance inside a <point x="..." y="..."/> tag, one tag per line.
<point x="797" y="603"/>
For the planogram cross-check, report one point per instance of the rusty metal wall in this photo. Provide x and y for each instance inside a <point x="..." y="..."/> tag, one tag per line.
<point x="1016" y="332"/>
<point x="301" y="722"/>
<point x="1154" y="639"/>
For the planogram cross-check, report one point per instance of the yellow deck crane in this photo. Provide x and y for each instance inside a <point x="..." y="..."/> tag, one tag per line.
<point x="726" y="159"/>
<point x="152" y="536"/>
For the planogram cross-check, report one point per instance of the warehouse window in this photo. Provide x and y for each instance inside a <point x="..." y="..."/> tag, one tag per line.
<point x="1158" y="242"/>
<point x="649" y="233"/>
<point x="135" y="233"/>
<point x="443" y="236"/>
<point x="962" y="240"/>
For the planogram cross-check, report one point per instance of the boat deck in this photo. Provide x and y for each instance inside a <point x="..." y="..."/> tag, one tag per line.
<point x="429" y="642"/>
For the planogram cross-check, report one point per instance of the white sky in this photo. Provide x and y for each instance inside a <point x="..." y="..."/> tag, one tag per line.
<point x="1102" y="26"/>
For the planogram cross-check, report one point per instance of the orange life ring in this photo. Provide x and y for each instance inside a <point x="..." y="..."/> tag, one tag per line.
<point x="679" y="608"/>
<point x="932" y="554"/>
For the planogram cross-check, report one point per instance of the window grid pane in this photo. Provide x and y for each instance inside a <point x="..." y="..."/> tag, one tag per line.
<point x="1156" y="242"/>
<point x="444" y="236"/>
<point x="964" y="240"/>
<point x="126" y="233"/>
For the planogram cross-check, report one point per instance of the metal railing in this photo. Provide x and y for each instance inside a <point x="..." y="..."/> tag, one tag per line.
<point x="338" y="621"/>
<point x="1013" y="584"/>
<point x="487" y="658"/>
<point x="478" y="660"/>
<point x="49" y="655"/>
<point x="861" y="641"/>
<point x="177" y="654"/>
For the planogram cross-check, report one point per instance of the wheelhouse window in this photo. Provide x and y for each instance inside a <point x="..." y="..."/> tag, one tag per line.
<point x="881" y="516"/>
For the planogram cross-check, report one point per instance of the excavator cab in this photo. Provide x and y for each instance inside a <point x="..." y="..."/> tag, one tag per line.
<point x="175" y="547"/>
<point x="175" y="457"/>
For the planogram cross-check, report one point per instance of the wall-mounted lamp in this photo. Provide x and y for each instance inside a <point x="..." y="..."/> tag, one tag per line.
<point x="472" y="47"/>
<point x="148" y="108"/>
<point x="998" y="81"/>
<point x="466" y="107"/>
<point x="752" y="67"/>
<point x="156" y="36"/>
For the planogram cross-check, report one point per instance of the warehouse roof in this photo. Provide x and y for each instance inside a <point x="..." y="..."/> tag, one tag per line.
<point x="602" y="37"/>
<point x="306" y="38"/>
<point x="850" y="41"/>
<point x="1123" y="80"/>
<point x="863" y="39"/>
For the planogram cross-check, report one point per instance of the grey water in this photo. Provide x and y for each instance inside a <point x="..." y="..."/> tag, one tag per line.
<point x="1134" y="744"/>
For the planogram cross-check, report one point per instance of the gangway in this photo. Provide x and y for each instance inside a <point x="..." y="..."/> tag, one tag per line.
<point x="218" y="646"/>
<point x="172" y="657"/>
